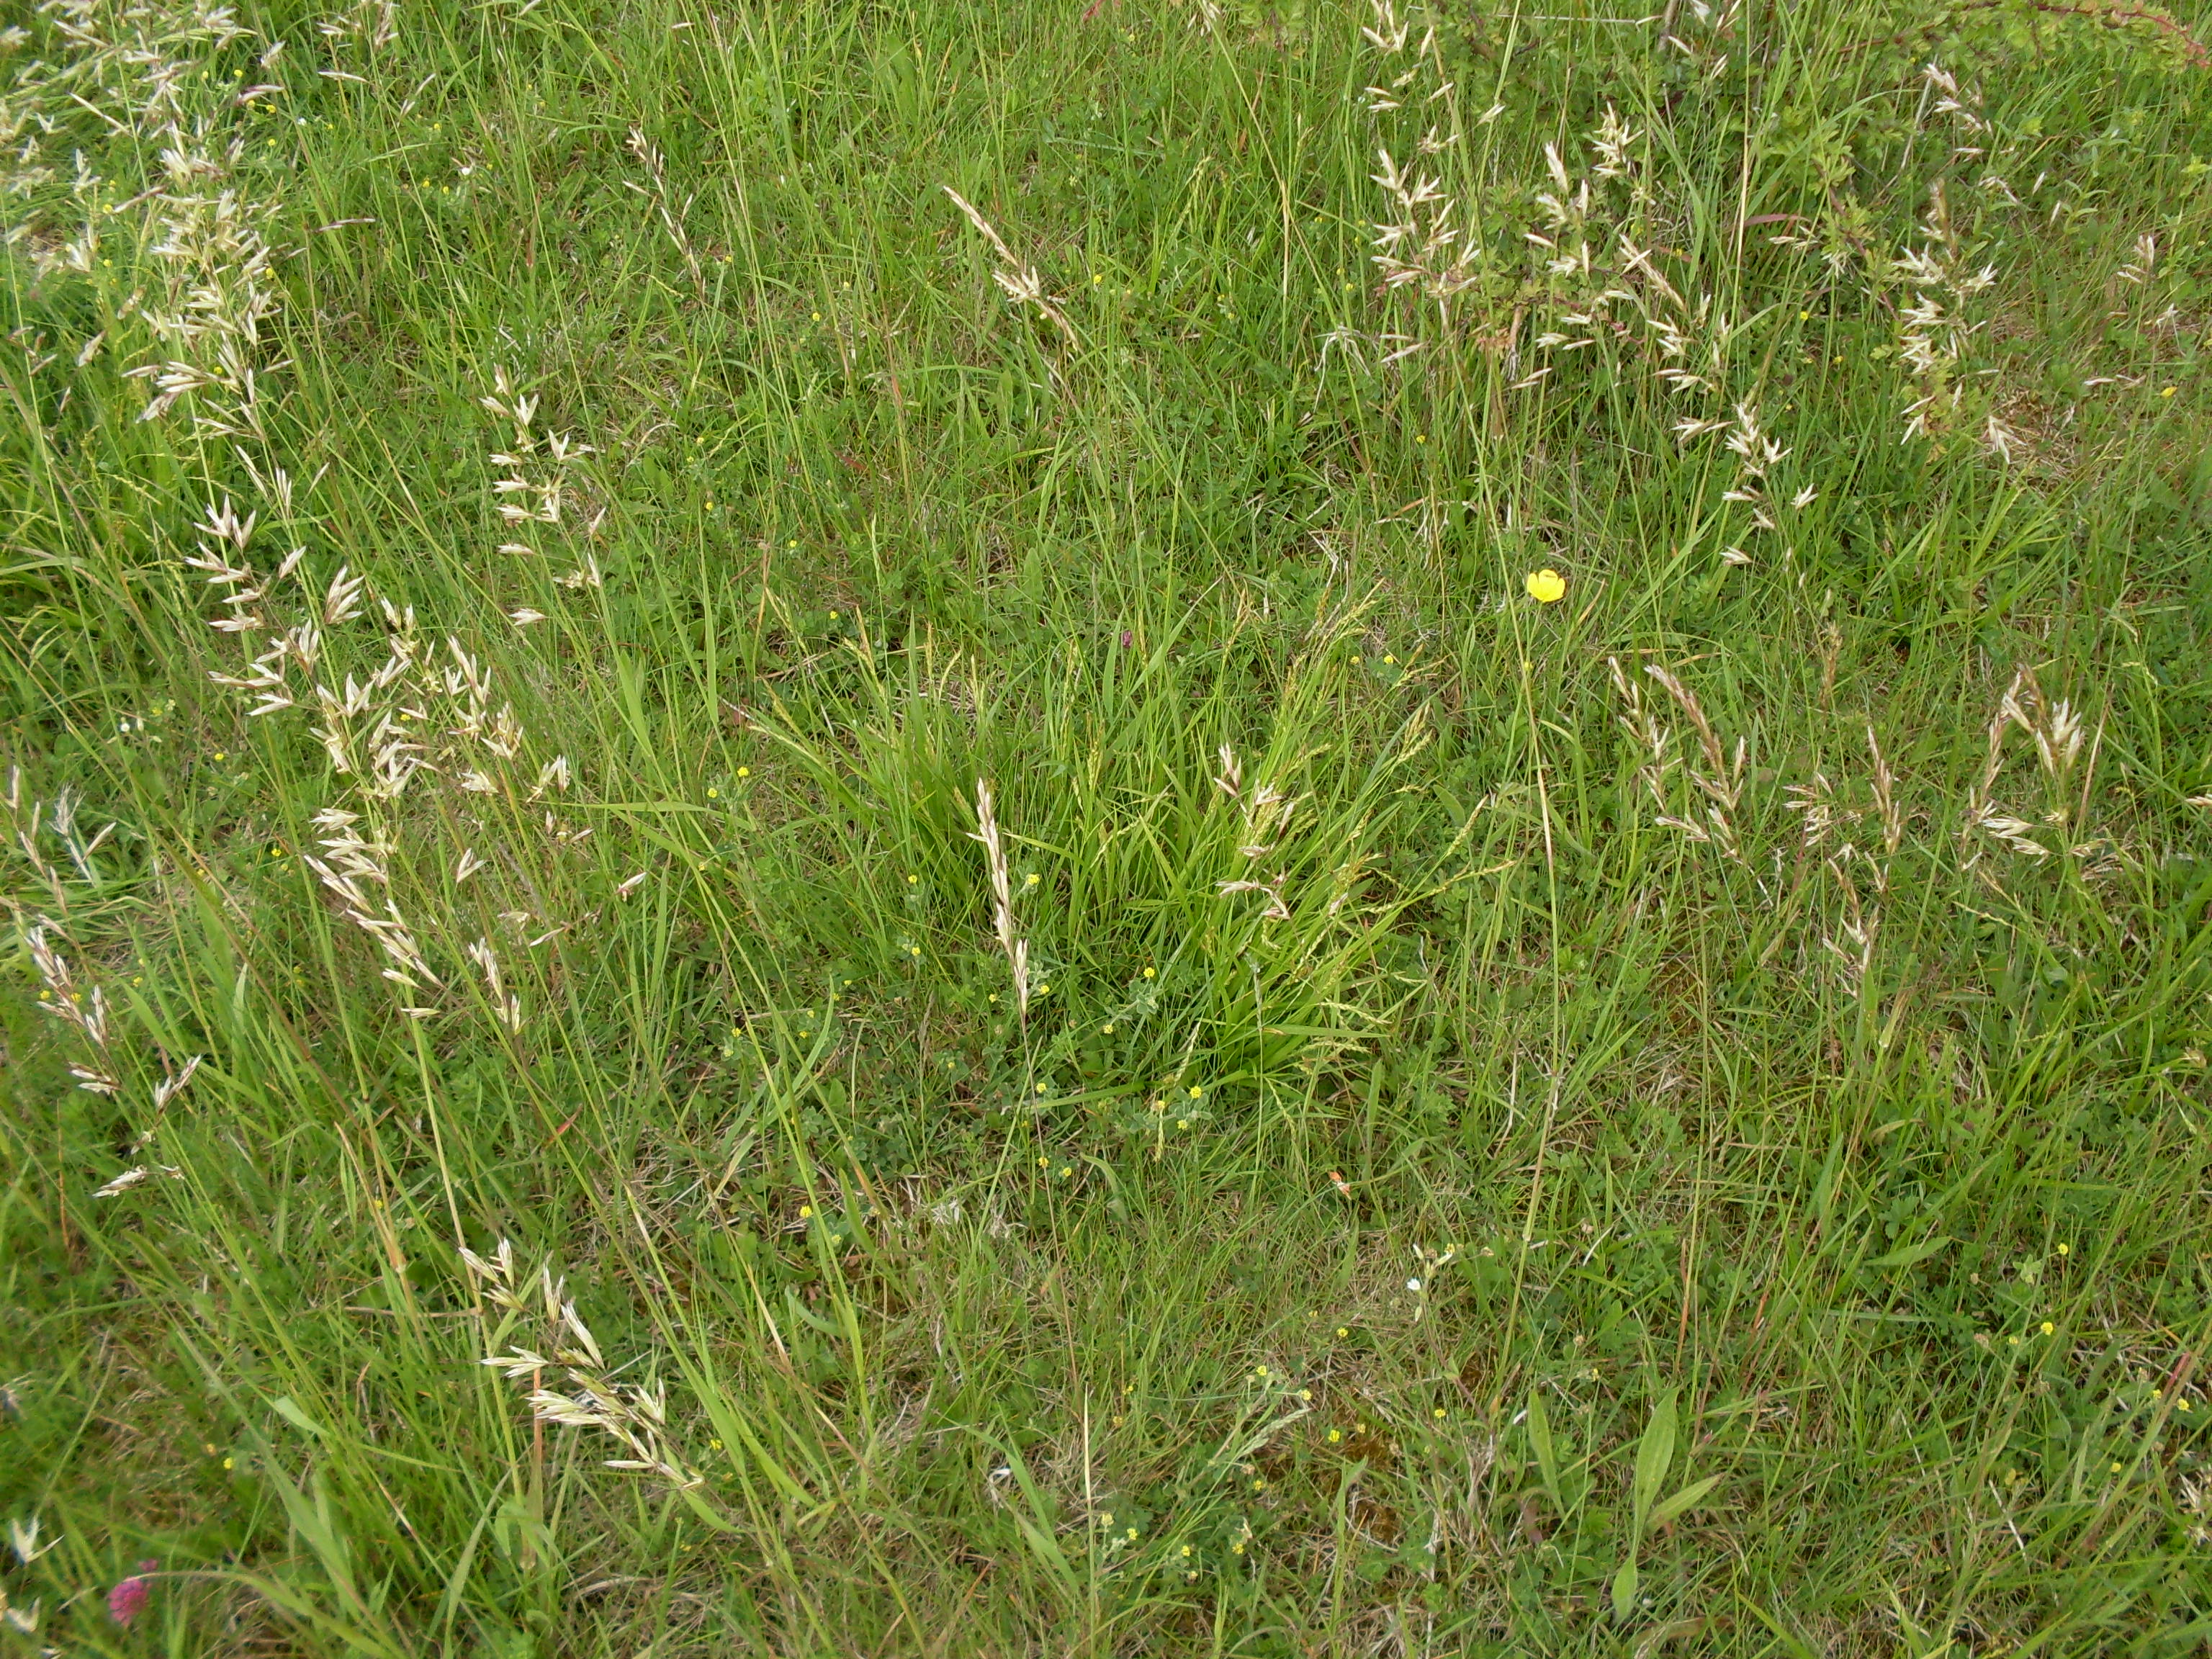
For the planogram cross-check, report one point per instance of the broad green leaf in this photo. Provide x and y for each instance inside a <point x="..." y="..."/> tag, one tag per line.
<point x="1654" y="1454"/>
<point x="1623" y="1589"/>
<point x="1911" y="1252"/>
<point x="1539" y="1437"/>
<point x="1686" y="1498"/>
<point x="283" y="1405"/>
<point x="1824" y="1186"/>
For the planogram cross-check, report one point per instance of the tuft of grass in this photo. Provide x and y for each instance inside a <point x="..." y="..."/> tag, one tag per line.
<point x="1179" y="829"/>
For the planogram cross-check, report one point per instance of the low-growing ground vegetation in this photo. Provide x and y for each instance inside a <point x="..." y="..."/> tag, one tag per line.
<point x="954" y="828"/>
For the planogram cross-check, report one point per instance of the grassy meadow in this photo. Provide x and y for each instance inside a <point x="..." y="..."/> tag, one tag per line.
<point x="958" y="828"/>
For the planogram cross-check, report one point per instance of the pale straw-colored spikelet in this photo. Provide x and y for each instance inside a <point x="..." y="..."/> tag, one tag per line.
<point x="1016" y="949"/>
<point x="2142" y="264"/>
<point x="174" y="1084"/>
<point x="129" y="1178"/>
<point x="634" y="1415"/>
<point x="1717" y="773"/>
<point x="672" y="216"/>
<point x="1818" y="812"/>
<point x="505" y="1008"/>
<point x="1851" y="943"/>
<point x="1019" y="280"/>
<point x="2054" y="730"/>
<point x="85" y="1010"/>
<point x="1277" y="908"/>
<point x="1885" y="798"/>
<point x="1418" y="245"/>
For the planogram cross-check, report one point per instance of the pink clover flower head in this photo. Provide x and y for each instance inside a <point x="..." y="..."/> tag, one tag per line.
<point x="129" y="1597"/>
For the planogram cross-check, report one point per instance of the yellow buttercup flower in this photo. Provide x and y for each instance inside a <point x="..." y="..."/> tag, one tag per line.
<point x="1546" y="586"/>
